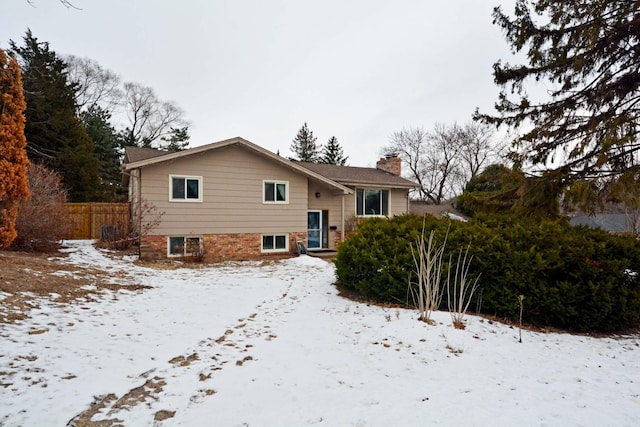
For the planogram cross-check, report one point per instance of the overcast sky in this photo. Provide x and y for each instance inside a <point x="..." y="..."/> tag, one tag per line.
<point x="355" y="69"/>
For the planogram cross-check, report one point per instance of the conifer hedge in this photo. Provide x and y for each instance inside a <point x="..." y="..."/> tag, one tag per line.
<point x="573" y="278"/>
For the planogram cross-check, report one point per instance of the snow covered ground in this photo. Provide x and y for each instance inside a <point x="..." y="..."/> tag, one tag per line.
<point x="266" y="344"/>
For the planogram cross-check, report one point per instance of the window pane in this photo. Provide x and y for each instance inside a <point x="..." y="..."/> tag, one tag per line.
<point x="192" y="189"/>
<point x="372" y="202"/>
<point x="281" y="195"/>
<point x="359" y="199"/>
<point x="177" y="188"/>
<point x="269" y="192"/>
<point x="385" y="202"/>
<point x="281" y="242"/>
<point x="192" y="245"/>
<point x="267" y="242"/>
<point x="176" y="245"/>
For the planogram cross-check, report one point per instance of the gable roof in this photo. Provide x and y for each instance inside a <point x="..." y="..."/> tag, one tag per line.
<point x="138" y="158"/>
<point x="351" y="175"/>
<point x="336" y="176"/>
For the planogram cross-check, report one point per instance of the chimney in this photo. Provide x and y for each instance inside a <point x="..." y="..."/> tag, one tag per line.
<point x="390" y="163"/>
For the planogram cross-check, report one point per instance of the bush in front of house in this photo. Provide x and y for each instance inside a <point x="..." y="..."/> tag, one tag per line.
<point x="572" y="278"/>
<point x="376" y="261"/>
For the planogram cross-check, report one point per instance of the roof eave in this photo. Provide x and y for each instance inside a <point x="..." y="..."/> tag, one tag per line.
<point x="373" y="184"/>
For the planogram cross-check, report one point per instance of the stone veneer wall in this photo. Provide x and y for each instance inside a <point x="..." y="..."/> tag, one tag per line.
<point x="221" y="247"/>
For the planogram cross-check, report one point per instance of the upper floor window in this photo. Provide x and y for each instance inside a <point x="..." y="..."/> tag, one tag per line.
<point x="185" y="188"/>
<point x="372" y="202"/>
<point x="275" y="192"/>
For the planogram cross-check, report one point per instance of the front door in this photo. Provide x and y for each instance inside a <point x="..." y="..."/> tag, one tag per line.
<point x="314" y="229"/>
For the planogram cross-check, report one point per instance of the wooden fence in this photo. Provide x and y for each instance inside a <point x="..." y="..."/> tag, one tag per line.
<point x="98" y="220"/>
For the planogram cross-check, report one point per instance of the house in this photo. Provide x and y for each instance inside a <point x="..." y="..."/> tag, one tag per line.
<point x="234" y="200"/>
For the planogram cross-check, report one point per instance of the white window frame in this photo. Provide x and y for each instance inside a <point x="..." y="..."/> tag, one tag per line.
<point x="365" y="189"/>
<point x="275" y="250"/>
<point x="275" y="202"/>
<point x="184" y="246"/>
<point x="185" y="177"/>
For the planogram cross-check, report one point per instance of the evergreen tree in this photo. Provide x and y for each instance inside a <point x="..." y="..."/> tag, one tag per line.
<point x="493" y="191"/>
<point x="108" y="149"/>
<point x="332" y="153"/>
<point x="13" y="157"/>
<point x="304" y="145"/>
<point x="587" y="53"/>
<point x="177" y="140"/>
<point x="55" y="135"/>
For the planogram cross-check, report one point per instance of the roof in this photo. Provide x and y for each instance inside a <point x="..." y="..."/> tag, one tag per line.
<point x="138" y="158"/>
<point x="351" y="175"/>
<point x="136" y="154"/>
<point x="336" y="176"/>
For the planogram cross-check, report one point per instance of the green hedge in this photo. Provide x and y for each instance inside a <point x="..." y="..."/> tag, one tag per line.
<point x="572" y="278"/>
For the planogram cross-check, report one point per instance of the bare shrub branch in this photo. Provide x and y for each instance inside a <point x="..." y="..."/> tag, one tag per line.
<point x="459" y="295"/>
<point x="43" y="220"/>
<point x="427" y="291"/>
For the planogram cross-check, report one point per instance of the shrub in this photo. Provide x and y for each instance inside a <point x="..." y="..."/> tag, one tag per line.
<point x="572" y="278"/>
<point x="376" y="260"/>
<point x="43" y="220"/>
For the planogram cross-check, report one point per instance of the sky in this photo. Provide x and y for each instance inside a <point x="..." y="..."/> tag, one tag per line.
<point x="358" y="70"/>
<point x="288" y="351"/>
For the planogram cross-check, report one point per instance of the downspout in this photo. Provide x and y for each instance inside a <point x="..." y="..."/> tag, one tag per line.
<point x="342" y="220"/>
<point x="408" y="202"/>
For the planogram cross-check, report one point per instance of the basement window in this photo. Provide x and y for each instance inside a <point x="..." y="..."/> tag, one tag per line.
<point x="275" y="243"/>
<point x="180" y="246"/>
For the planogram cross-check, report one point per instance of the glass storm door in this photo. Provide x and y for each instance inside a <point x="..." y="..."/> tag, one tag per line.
<point x="314" y="229"/>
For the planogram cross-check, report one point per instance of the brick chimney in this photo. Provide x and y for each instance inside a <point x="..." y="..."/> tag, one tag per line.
<point x="391" y="164"/>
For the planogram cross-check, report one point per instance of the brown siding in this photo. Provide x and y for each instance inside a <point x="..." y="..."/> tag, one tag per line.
<point x="232" y="181"/>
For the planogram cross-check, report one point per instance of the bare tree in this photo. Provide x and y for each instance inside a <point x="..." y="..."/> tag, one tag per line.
<point x="95" y="84"/>
<point x="65" y="3"/>
<point x="444" y="160"/>
<point x="150" y="119"/>
<point x="430" y="158"/>
<point x="409" y="144"/>
<point x="479" y="147"/>
<point x="445" y="169"/>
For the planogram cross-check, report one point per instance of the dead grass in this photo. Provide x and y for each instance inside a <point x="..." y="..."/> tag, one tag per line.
<point x="26" y="277"/>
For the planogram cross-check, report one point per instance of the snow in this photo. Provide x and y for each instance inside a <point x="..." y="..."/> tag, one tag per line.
<point x="454" y="216"/>
<point x="272" y="343"/>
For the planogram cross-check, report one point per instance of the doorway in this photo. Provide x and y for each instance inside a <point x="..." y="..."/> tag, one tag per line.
<point x="317" y="229"/>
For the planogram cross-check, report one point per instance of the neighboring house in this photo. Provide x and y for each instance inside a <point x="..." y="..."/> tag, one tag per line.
<point x="615" y="218"/>
<point x="234" y="200"/>
<point x="444" y="209"/>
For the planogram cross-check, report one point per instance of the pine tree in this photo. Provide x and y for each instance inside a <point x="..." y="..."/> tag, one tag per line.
<point x="304" y="145"/>
<point x="177" y="140"/>
<point x="586" y="53"/>
<point x="13" y="157"/>
<point x="55" y="135"/>
<point x="332" y="153"/>
<point x="108" y="149"/>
